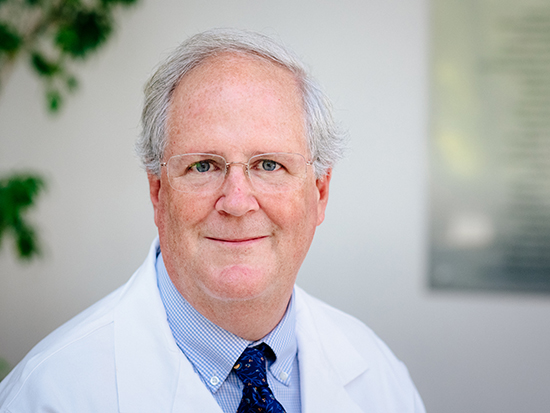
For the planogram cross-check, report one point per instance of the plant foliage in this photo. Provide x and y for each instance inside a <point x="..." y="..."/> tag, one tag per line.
<point x="18" y="193"/>
<point x="4" y="368"/>
<point x="52" y="35"/>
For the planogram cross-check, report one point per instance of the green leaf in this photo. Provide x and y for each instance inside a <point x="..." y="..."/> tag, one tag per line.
<point x="20" y="190"/>
<point x="84" y="33"/>
<point x="10" y="41"/>
<point x="72" y="83"/>
<point x="43" y="66"/>
<point x="4" y="365"/>
<point x="26" y="241"/>
<point x="18" y="193"/>
<point x="55" y="100"/>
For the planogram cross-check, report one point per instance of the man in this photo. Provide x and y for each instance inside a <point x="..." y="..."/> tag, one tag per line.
<point x="238" y="144"/>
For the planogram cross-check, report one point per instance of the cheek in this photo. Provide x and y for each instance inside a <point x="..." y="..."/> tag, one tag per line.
<point x="177" y="213"/>
<point x="295" y="216"/>
<point x="297" y="223"/>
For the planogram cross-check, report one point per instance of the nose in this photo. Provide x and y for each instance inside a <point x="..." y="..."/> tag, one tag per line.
<point x="237" y="196"/>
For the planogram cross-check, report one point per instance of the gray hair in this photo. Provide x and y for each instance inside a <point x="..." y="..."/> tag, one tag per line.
<point x="325" y="140"/>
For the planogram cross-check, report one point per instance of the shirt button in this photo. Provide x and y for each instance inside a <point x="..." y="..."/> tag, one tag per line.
<point x="214" y="380"/>
<point x="283" y="376"/>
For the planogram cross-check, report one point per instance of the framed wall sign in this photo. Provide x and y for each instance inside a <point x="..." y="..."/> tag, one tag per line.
<point x="490" y="145"/>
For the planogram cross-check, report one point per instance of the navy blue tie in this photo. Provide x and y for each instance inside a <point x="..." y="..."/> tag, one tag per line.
<point x="251" y="369"/>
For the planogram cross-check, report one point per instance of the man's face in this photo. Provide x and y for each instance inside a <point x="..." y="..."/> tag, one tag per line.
<point x="235" y="243"/>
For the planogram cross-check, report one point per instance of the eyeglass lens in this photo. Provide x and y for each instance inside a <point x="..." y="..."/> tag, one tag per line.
<point x="269" y="172"/>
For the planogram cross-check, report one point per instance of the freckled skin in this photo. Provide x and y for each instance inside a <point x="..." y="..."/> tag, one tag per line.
<point x="234" y="254"/>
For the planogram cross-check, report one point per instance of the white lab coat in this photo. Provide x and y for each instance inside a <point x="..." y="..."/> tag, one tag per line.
<point x="120" y="356"/>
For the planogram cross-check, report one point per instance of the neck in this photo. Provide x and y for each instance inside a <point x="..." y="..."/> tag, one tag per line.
<point x="250" y="319"/>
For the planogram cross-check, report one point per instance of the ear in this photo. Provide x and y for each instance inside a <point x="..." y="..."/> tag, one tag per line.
<point x="322" y="187"/>
<point x="154" y="193"/>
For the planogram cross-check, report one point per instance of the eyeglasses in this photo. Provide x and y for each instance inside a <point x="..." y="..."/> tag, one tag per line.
<point x="205" y="172"/>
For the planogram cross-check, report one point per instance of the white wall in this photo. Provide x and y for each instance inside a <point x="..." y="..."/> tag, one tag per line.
<point x="467" y="352"/>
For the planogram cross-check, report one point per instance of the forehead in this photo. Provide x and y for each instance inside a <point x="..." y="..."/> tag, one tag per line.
<point x="231" y="98"/>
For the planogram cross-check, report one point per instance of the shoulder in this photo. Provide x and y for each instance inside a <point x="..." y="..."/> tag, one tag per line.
<point x="77" y="355"/>
<point x="328" y="318"/>
<point x="73" y="368"/>
<point x="368" y="370"/>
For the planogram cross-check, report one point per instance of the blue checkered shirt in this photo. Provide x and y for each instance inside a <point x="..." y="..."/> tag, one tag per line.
<point x="213" y="351"/>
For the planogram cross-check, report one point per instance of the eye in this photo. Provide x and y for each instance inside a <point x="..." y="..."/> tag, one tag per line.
<point x="201" y="166"/>
<point x="269" y="165"/>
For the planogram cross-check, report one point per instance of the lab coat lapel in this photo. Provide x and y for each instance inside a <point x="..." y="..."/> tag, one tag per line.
<point x="164" y="381"/>
<point x="152" y="373"/>
<point x="327" y="362"/>
<point x="193" y="396"/>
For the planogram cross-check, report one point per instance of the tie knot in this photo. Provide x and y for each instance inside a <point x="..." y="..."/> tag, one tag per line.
<point x="251" y="366"/>
<point x="251" y="369"/>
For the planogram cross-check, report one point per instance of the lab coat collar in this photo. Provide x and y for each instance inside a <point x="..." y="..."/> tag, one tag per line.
<point x="328" y="361"/>
<point x="162" y="379"/>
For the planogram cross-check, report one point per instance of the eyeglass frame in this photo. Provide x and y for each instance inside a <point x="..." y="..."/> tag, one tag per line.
<point x="228" y="164"/>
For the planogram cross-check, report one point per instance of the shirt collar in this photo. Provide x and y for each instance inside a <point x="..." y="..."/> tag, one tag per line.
<point x="212" y="350"/>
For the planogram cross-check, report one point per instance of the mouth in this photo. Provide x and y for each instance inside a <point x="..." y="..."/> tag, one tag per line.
<point x="237" y="241"/>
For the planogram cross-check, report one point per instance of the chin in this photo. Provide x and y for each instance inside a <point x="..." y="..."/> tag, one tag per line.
<point x="239" y="283"/>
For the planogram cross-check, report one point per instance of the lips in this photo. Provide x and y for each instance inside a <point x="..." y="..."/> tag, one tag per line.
<point x="237" y="240"/>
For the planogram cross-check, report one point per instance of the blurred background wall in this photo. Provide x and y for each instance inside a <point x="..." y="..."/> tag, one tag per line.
<point x="467" y="352"/>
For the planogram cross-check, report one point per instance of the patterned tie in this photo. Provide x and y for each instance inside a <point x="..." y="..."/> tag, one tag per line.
<point x="257" y="396"/>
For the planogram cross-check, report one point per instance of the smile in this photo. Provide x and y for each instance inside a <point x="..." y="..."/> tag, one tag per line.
<point x="239" y="241"/>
